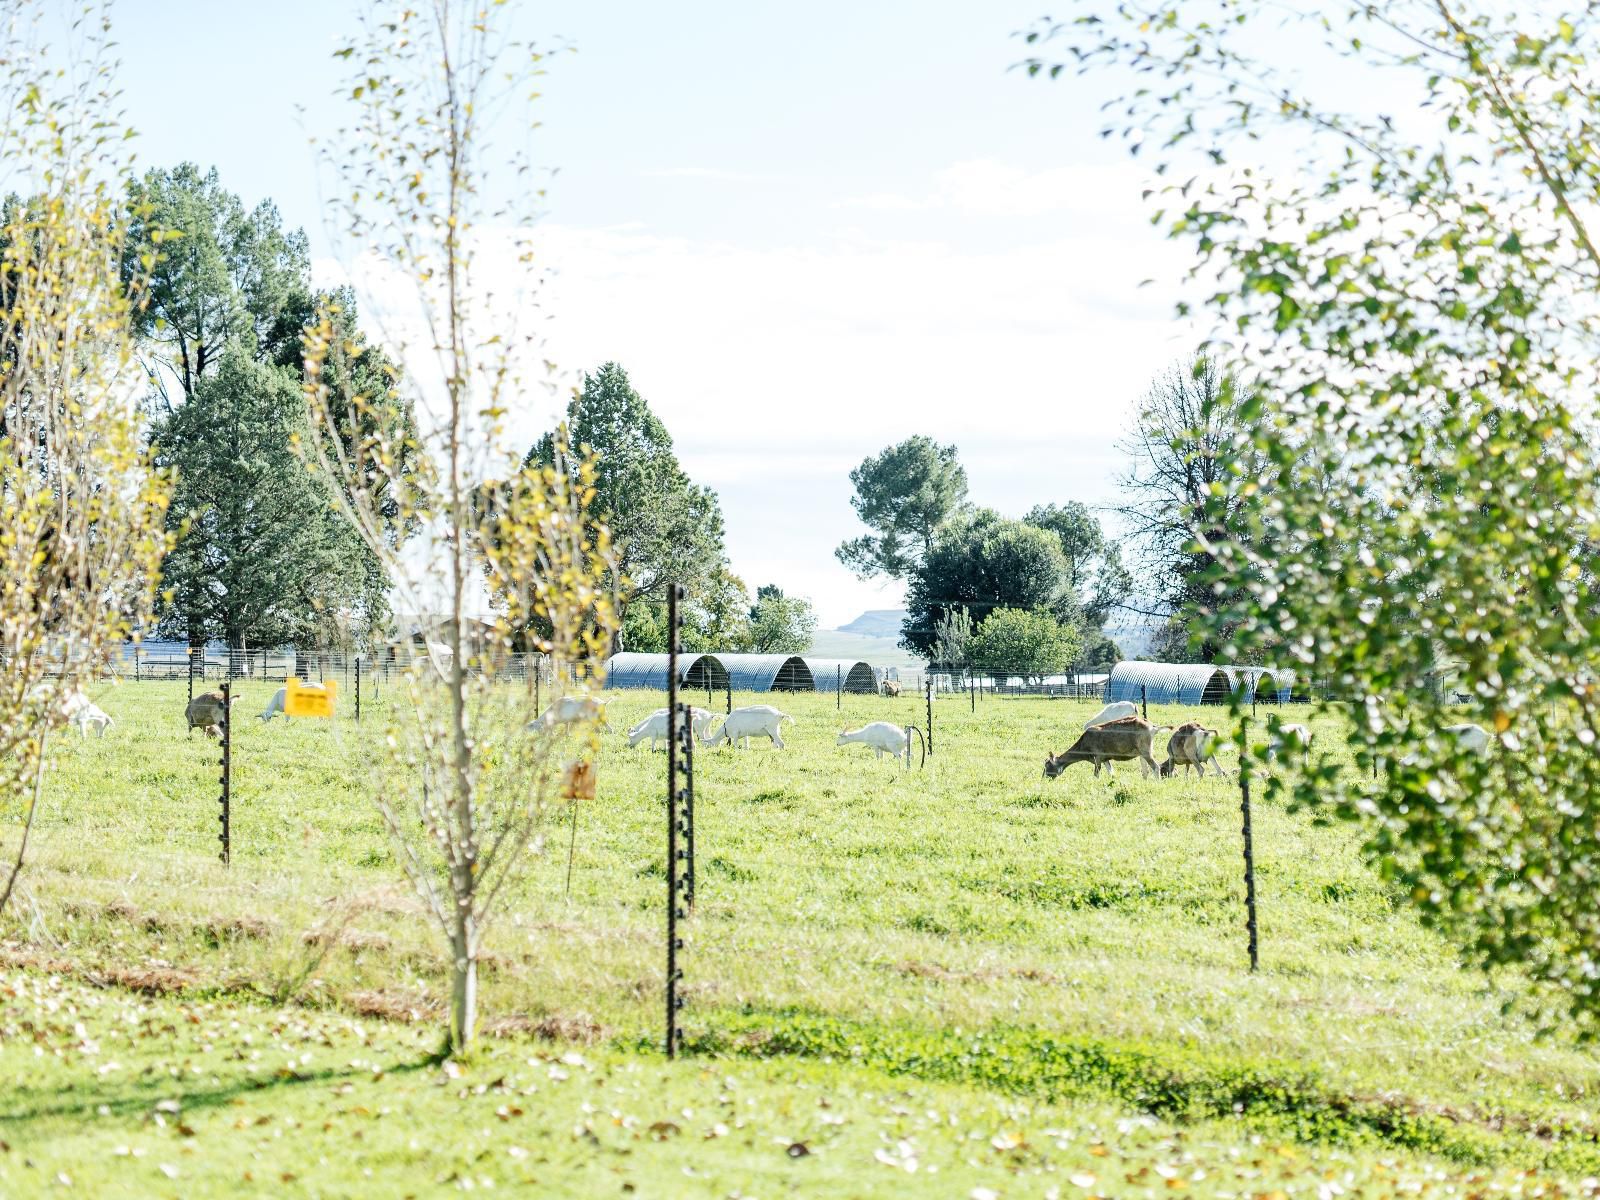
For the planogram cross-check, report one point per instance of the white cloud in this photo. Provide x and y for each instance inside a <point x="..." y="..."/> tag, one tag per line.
<point x="779" y="367"/>
<point x="985" y="187"/>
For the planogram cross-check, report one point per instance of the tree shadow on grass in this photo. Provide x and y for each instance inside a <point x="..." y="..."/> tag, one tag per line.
<point x="119" y="1102"/>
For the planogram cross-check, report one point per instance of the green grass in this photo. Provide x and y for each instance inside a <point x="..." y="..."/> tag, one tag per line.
<point x="970" y="940"/>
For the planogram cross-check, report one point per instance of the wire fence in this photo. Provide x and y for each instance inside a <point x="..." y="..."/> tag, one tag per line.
<point x="977" y="683"/>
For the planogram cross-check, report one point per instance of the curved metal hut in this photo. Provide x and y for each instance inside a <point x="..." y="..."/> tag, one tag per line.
<point x="1273" y="685"/>
<point x="1169" y="683"/>
<point x="832" y="674"/>
<point x="649" y="671"/>
<point x="768" y="672"/>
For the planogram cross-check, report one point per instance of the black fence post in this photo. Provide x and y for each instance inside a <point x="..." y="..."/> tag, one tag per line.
<point x="1144" y="702"/>
<point x="1249" y="868"/>
<point x="226" y="780"/>
<point x="930" y="716"/>
<point x="838" y="694"/>
<point x="674" y="881"/>
<point x="358" y="691"/>
<point x="730" y="693"/>
<point x="191" y="673"/>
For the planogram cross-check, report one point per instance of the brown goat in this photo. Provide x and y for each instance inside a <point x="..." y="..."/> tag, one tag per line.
<point x="205" y="712"/>
<point x="1191" y="745"/>
<point x="1115" y="741"/>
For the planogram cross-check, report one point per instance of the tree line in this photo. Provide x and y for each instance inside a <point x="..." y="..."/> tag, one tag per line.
<point x="261" y="555"/>
<point x="1033" y="595"/>
<point x="1028" y="596"/>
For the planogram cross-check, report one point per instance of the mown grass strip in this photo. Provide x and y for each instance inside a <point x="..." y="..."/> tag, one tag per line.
<point x="1172" y="1083"/>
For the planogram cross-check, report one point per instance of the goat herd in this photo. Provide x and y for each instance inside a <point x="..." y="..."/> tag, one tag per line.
<point x="1115" y="734"/>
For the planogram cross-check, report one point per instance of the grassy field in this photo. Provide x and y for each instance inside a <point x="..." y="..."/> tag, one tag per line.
<point x="964" y="980"/>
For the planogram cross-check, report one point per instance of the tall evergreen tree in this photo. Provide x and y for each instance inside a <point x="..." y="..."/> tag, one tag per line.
<point x="665" y="528"/>
<point x="264" y="559"/>
<point x="221" y="277"/>
<point x="904" y="495"/>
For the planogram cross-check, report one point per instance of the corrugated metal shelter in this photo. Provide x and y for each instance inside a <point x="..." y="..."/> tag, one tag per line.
<point x="700" y="671"/>
<point x="1169" y="683"/>
<point x="830" y="674"/>
<point x="768" y="672"/>
<point x="1271" y="684"/>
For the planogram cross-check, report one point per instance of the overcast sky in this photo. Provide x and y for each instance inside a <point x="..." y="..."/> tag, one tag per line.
<point x="805" y="232"/>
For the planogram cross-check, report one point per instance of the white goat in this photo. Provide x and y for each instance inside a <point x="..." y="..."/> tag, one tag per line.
<point x="882" y="736"/>
<point x="742" y="724"/>
<point x="1474" y="738"/>
<point x="1113" y="712"/>
<point x="657" y="726"/>
<point x="1289" y="737"/>
<point x="275" y="706"/>
<point x="569" y="710"/>
<point x="83" y="712"/>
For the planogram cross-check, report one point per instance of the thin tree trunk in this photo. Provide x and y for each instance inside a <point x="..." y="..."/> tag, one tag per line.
<point x="27" y="828"/>
<point x="463" y="983"/>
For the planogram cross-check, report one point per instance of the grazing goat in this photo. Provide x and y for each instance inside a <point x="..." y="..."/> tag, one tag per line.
<point x="1474" y="738"/>
<point x="742" y="724"/>
<point x="83" y="712"/>
<point x="883" y="737"/>
<point x="274" y="706"/>
<point x="1116" y="741"/>
<point x="206" y="712"/>
<point x="658" y="726"/>
<point x="1116" y="711"/>
<point x="1289" y="737"/>
<point x="1192" y="745"/>
<point x="569" y="710"/>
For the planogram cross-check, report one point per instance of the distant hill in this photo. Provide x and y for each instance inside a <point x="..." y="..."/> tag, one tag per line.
<point x="879" y="651"/>
<point x="877" y="623"/>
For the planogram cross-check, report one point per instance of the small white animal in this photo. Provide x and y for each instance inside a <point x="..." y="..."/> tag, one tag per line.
<point x="656" y="726"/>
<point x="83" y="712"/>
<point x="882" y="736"/>
<point x="275" y="705"/>
<point x="1289" y="737"/>
<point x="1474" y="738"/>
<point x="742" y="724"/>
<point x="569" y="710"/>
<point x="1115" y="711"/>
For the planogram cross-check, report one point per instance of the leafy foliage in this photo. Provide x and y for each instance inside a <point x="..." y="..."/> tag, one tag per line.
<point x="952" y="636"/>
<point x="463" y="806"/>
<point x="81" y="505"/>
<point x="666" y="528"/>
<point x="780" y="624"/>
<point x="904" y="495"/>
<point x="1094" y="562"/>
<point x="1032" y="644"/>
<point x="221" y="277"/>
<point x="1189" y="458"/>
<point x="1423" y="298"/>
<point x="981" y="561"/>
<point x="261" y="555"/>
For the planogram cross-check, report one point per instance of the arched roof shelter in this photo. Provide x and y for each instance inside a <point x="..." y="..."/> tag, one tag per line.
<point x="649" y="671"/>
<point x="1168" y="683"/>
<point x="1272" y="684"/>
<point x="830" y="674"/>
<point x="768" y="672"/>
